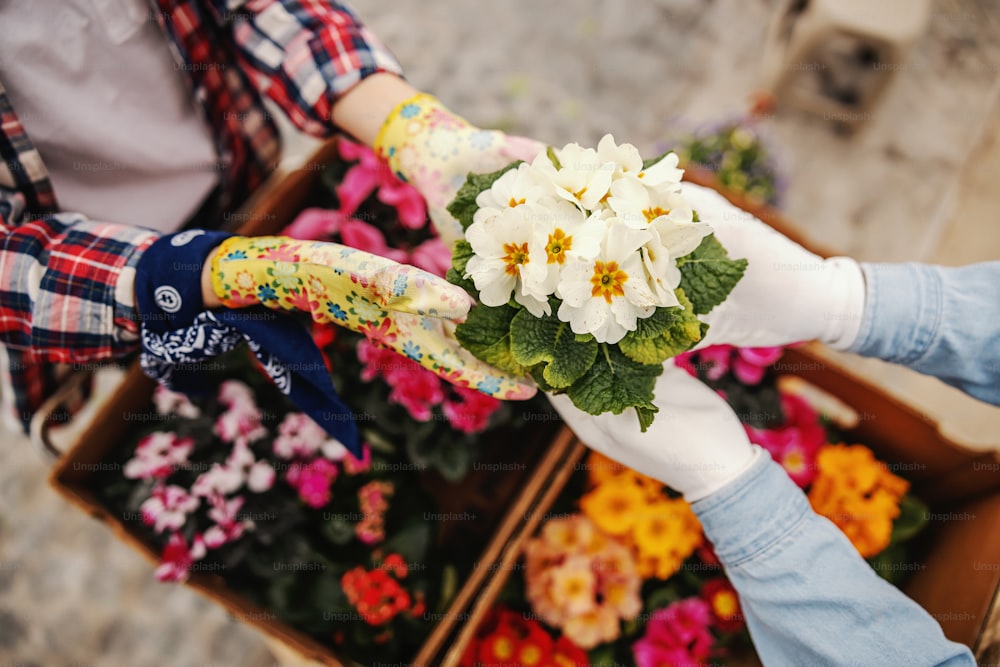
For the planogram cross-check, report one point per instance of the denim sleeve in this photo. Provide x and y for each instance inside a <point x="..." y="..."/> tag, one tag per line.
<point x="808" y="596"/>
<point x="936" y="320"/>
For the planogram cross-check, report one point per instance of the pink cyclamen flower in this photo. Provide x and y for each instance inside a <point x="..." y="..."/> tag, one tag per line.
<point x="470" y="414"/>
<point x="676" y="635"/>
<point x="432" y="256"/>
<point x="315" y="224"/>
<point x="750" y="363"/>
<point x="796" y="443"/>
<point x="177" y="558"/>
<point x="169" y="402"/>
<point x="168" y="508"/>
<point x="313" y="481"/>
<point x="410" y="206"/>
<point x="361" y="235"/>
<point x="232" y="392"/>
<point x="157" y="454"/>
<point x="260" y="477"/>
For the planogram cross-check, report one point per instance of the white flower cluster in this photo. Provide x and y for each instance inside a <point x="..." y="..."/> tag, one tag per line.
<point x="598" y="232"/>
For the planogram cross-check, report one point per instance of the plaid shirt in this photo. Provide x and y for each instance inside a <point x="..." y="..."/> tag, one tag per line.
<point x="65" y="281"/>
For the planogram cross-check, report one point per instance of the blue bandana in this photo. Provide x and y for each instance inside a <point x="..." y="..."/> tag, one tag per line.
<point x="178" y="334"/>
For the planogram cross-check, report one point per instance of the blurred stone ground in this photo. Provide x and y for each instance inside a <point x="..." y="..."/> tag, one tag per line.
<point x="916" y="183"/>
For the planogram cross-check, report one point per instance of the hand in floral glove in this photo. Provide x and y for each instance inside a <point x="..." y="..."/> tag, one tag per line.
<point x="696" y="445"/>
<point x="400" y="307"/>
<point x="435" y="150"/>
<point x="787" y="294"/>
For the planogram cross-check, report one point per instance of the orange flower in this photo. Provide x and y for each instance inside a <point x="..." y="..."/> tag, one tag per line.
<point x="614" y="504"/>
<point x="859" y="494"/>
<point x="665" y="534"/>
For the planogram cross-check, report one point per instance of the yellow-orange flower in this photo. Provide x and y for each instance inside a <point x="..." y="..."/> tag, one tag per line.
<point x="859" y="494"/>
<point x="665" y="534"/>
<point x="614" y="504"/>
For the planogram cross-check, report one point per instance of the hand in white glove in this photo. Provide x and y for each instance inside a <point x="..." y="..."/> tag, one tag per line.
<point x="696" y="445"/>
<point x="788" y="294"/>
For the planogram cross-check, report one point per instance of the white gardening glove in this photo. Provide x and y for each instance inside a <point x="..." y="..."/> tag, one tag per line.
<point x="787" y="294"/>
<point x="696" y="444"/>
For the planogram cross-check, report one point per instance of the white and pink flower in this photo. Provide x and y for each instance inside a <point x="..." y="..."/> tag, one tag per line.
<point x="157" y="455"/>
<point x="168" y="508"/>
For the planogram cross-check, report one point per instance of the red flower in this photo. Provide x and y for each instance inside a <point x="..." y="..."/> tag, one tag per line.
<point x="725" y="604"/>
<point x="796" y="443"/>
<point x="376" y="595"/>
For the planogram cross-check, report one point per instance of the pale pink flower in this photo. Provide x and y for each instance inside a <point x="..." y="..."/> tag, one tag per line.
<point x="157" y="454"/>
<point x="168" y="508"/>
<point x="260" y="477"/>
<point x="219" y="480"/>
<point x="169" y="402"/>
<point x="299" y="437"/>
<point x="334" y="450"/>
<point x="227" y="527"/>
<point x="177" y="558"/>
<point x="239" y="421"/>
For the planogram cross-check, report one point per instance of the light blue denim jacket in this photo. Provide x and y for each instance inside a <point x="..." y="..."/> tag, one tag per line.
<point x="808" y="597"/>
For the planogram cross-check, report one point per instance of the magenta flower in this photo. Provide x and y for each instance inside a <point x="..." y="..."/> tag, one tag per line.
<point x="177" y="558"/>
<point x="471" y="413"/>
<point x="368" y="174"/>
<point x="316" y="224"/>
<point x="361" y="235"/>
<point x="676" y="635"/>
<point x="413" y="386"/>
<point x="168" y="508"/>
<point x="796" y="443"/>
<point x="432" y="256"/>
<point x="750" y="363"/>
<point x="313" y="481"/>
<point x="157" y="454"/>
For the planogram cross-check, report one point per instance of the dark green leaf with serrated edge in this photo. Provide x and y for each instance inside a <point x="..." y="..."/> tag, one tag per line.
<point x="615" y="383"/>
<point x="486" y="334"/>
<point x="546" y="340"/>
<point x="708" y="275"/>
<point x="460" y="256"/>
<point x="463" y="206"/>
<point x="664" y="334"/>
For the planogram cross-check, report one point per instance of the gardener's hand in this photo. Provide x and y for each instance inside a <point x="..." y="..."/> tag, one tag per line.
<point x="434" y="150"/>
<point x="696" y="445"/>
<point x="788" y="294"/>
<point x="401" y="307"/>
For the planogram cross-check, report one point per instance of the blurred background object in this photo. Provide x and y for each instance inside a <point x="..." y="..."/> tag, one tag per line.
<point x="836" y="57"/>
<point x="916" y="182"/>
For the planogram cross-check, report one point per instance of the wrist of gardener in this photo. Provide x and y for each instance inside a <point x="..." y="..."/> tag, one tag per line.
<point x="364" y="109"/>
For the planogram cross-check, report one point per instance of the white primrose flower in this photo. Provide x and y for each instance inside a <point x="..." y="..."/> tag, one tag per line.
<point x="663" y="173"/>
<point x="515" y="188"/>
<point x="502" y="247"/>
<point x="606" y="296"/>
<point x="562" y="233"/>
<point x="582" y="179"/>
<point x="670" y="219"/>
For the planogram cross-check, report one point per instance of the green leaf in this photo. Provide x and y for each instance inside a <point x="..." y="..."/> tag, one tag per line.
<point x="338" y="531"/>
<point x="911" y="520"/>
<point x="615" y="383"/>
<point x="412" y="542"/>
<point x="664" y="334"/>
<point x="486" y="334"/>
<point x="463" y="206"/>
<point x="460" y="256"/>
<point x="548" y="341"/>
<point x="708" y="275"/>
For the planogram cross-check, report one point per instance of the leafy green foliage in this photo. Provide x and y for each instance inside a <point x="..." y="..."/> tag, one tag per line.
<point x="614" y="383"/>
<point x="463" y="207"/>
<point x="486" y="334"/>
<point x="547" y="342"/>
<point x="665" y="334"/>
<point x="460" y="256"/>
<point x="708" y="275"/>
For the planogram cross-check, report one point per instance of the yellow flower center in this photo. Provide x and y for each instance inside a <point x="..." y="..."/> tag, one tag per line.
<point x="725" y="604"/>
<point x="514" y="203"/>
<point x="794" y="462"/>
<point x="530" y="655"/>
<point x="607" y="280"/>
<point x="654" y="212"/>
<point x="516" y="255"/>
<point x="503" y="648"/>
<point x="557" y="246"/>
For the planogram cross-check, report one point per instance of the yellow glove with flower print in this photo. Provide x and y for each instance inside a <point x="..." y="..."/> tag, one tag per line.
<point x="401" y="307"/>
<point x="434" y="150"/>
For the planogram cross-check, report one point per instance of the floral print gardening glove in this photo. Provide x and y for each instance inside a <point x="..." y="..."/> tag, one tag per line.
<point x="400" y="307"/>
<point x="434" y="150"/>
